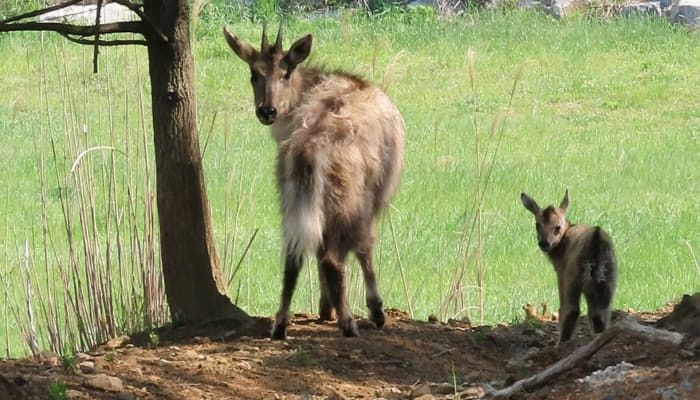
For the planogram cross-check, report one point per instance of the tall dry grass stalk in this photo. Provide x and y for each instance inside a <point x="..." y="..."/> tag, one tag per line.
<point x="108" y="281"/>
<point x="470" y="248"/>
<point x="687" y="244"/>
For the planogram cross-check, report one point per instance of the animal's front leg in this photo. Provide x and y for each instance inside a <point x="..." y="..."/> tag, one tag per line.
<point x="292" y="266"/>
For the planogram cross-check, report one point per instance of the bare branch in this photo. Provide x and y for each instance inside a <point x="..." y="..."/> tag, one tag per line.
<point x="116" y="42"/>
<point x="140" y="27"/>
<point x="137" y="10"/>
<point x="40" y="12"/>
<point x="78" y="30"/>
<point x="96" y="50"/>
<point x="626" y="325"/>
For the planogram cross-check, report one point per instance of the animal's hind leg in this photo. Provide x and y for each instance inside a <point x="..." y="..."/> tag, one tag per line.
<point x="373" y="299"/>
<point x="598" y="298"/>
<point x="569" y="311"/>
<point x="326" y="309"/>
<point x="292" y="265"/>
<point x="334" y="271"/>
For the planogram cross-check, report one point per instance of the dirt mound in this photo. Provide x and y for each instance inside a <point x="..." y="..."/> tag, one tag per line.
<point x="408" y="359"/>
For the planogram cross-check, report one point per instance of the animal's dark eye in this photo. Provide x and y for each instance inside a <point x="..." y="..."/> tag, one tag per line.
<point x="557" y="229"/>
<point x="255" y="77"/>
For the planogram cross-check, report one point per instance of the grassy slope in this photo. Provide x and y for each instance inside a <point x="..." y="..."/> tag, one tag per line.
<point x="606" y="109"/>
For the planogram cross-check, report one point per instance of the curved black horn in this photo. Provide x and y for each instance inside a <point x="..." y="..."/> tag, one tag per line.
<point x="278" y="41"/>
<point x="264" y="46"/>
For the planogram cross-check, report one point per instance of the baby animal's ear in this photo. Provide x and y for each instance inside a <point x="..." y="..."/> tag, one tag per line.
<point x="565" y="201"/>
<point x="529" y="203"/>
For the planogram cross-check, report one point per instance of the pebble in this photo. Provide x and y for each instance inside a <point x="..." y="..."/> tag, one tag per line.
<point x="87" y="367"/>
<point x="105" y="382"/>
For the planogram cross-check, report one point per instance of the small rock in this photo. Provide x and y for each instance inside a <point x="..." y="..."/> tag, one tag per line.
<point x="687" y="353"/>
<point x="420" y="390"/>
<point x="190" y="354"/>
<point x="668" y="394"/>
<point x="117" y="342"/>
<point x="202" y="340"/>
<point x="105" y="382"/>
<point x="50" y="358"/>
<point x="442" y="388"/>
<point x="474" y="392"/>
<point x="687" y="12"/>
<point x="641" y="8"/>
<point x="87" y="367"/>
<point x="79" y="357"/>
<point x="336" y="395"/>
<point x="390" y="392"/>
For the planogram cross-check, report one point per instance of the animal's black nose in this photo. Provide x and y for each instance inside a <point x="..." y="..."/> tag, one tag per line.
<point x="266" y="115"/>
<point x="544" y="245"/>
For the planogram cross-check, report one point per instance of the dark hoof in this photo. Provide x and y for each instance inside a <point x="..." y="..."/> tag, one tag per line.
<point x="350" y="328"/>
<point x="279" y="331"/>
<point x="378" y="318"/>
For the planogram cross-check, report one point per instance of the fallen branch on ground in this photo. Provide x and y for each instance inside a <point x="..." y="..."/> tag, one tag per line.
<point x="626" y="325"/>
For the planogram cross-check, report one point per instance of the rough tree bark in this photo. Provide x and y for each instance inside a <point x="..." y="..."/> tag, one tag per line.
<point x="191" y="266"/>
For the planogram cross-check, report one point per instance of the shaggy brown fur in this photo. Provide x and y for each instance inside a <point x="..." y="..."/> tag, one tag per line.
<point x="584" y="260"/>
<point x="340" y="147"/>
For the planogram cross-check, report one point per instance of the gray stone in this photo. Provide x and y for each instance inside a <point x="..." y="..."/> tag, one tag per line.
<point x="558" y="8"/>
<point x="641" y="8"/>
<point x="421" y="390"/>
<point x="87" y="367"/>
<point x="106" y="383"/>
<point x="686" y="12"/>
<point x="111" y="12"/>
<point x="528" y="4"/>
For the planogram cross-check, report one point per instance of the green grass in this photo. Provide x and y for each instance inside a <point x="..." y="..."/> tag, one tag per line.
<point x="608" y="109"/>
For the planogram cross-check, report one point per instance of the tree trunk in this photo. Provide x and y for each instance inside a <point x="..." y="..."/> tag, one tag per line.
<point x="191" y="267"/>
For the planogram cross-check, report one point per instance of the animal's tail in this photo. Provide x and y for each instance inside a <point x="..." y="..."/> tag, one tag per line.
<point x="302" y="210"/>
<point x="601" y="257"/>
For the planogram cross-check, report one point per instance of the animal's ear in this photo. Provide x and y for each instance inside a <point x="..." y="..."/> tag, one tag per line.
<point x="242" y="49"/>
<point x="529" y="203"/>
<point x="299" y="51"/>
<point x="565" y="201"/>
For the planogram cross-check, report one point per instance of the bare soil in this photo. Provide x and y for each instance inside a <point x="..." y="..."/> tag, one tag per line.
<point x="408" y="359"/>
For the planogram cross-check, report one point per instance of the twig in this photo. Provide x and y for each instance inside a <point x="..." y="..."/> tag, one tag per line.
<point x="78" y="30"/>
<point x="442" y="353"/>
<point x="626" y="325"/>
<point x="118" y="42"/>
<point x="36" y="13"/>
<point x="96" y="49"/>
<point x="137" y="10"/>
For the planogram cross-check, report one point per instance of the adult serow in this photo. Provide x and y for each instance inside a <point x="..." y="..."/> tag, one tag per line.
<point x="340" y="144"/>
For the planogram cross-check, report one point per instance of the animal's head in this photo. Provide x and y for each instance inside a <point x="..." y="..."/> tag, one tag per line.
<point x="273" y="73"/>
<point x="550" y="222"/>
